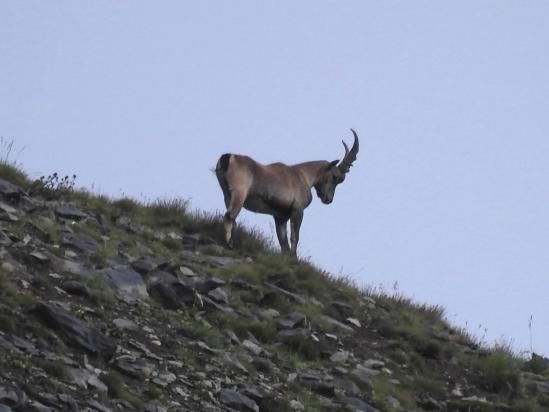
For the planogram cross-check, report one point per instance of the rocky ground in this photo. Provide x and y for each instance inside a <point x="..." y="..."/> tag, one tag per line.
<point x="114" y="305"/>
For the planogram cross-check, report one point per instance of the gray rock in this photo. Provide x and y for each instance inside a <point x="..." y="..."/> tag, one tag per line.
<point x="252" y="347"/>
<point x="427" y="402"/>
<point x="73" y="330"/>
<point x="358" y="405"/>
<point x="76" y="288"/>
<point x="168" y="297"/>
<point x="185" y="271"/>
<point x="292" y="335"/>
<point x="92" y="403"/>
<point x="292" y="296"/>
<point x="69" y="211"/>
<point x="348" y="387"/>
<point x="291" y="320"/>
<point x="364" y="374"/>
<point x="8" y="213"/>
<point x="80" y="242"/>
<point x="219" y="295"/>
<point x="144" y="264"/>
<point x="125" y="324"/>
<point x="337" y="324"/>
<point x="24" y="345"/>
<point x="9" y="190"/>
<point x="339" y="356"/>
<point x="244" y="284"/>
<point x="12" y="395"/>
<point x="220" y="261"/>
<point x="128" y="284"/>
<point x="164" y="379"/>
<point x="204" y="286"/>
<point x="393" y="402"/>
<point x="66" y="266"/>
<point x="135" y="367"/>
<point x="214" y="261"/>
<point x="238" y="401"/>
<point x="4" y="239"/>
<point x="233" y="362"/>
<point x="344" y="309"/>
<point x="374" y="363"/>
<point x="39" y="256"/>
<point x="316" y="384"/>
<point x="96" y="383"/>
<point x="296" y="405"/>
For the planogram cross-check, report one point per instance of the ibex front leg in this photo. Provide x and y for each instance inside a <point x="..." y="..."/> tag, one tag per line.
<point x="295" y="223"/>
<point x="282" y="234"/>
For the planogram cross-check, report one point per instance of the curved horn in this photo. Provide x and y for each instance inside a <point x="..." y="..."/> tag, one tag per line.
<point x="350" y="155"/>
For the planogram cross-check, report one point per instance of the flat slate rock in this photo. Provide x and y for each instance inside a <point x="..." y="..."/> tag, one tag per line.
<point x="9" y="190"/>
<point x="206" y="285"/>
<point x="292" y="296"/>
<point x="69" y="211"/>
<point x="127" y="283"/>
<point x="358" y="405"/>
<point x="74" y="330"/>
<point x="76" y="288"/>
<point x="80" y="242"/>
<point x="215" y="261"/>
<point x="237" y="401"/>
<point x="167" y="296"/>
<point x="219" y="295"/>
<point x="291" y="320"/>
<point x="341" y="326"/>
<point x="144" y="264"/>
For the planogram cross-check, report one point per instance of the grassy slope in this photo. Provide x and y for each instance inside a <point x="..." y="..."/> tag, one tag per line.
<point x="424" y="353"/>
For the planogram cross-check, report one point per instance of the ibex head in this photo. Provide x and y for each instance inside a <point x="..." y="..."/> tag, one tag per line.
<point x="334" y="173"/>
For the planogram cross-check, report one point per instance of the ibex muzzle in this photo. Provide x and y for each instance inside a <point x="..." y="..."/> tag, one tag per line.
<point x="279" y="190"/>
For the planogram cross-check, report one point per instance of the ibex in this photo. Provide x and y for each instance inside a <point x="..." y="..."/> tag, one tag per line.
<point x="278" y="190"/>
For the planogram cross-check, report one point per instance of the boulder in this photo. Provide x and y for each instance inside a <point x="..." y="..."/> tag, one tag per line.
<point x="127" y="283"/>
<point x="73" y="330"/>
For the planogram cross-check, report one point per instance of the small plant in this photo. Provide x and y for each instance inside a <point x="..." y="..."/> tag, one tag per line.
<point x="10" y="169"/>
<point x="56" y="369"/>
<point x="126" y="206"/>
<point x="53" y="186"/>
<point x="499" y="370"/>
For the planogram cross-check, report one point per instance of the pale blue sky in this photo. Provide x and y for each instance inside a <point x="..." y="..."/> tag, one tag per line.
<point x="449" y="195"/>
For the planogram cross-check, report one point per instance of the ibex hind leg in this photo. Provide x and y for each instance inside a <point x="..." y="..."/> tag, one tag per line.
<point x="233" y="209"/>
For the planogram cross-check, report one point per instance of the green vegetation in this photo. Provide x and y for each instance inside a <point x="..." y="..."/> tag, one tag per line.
<point x="48" y="228"/>
<point x="10" y="294"/>
<point x="10" y="169"/>
<point x="101" y="292"/>
<point x="56" y="369"/>
<point x="499" y="371"/>
<point x="117" y="389"/>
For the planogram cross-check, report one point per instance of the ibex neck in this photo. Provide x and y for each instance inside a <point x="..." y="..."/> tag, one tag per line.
<point x="311" y="171"/>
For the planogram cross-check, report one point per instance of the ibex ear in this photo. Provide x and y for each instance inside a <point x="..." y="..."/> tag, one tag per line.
<point x="332" y="164"/>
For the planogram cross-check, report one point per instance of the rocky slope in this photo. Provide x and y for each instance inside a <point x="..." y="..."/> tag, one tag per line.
<point x="114" y="305"/>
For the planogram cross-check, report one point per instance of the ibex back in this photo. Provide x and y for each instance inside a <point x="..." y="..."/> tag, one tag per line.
<point x="279" y="190"/>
